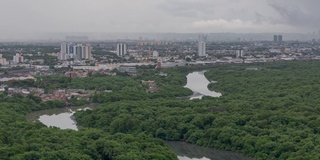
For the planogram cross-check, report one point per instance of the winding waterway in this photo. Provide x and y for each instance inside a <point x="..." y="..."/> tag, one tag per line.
<point x="187" y="151"/>
<point x="58" y="117"/>
<point x="196" y="81"/>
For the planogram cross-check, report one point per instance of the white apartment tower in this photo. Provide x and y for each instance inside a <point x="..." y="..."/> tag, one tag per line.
<point x="202" y="45"/>
<point x="63" y="52"/>
<point x="86" y="52"/>
<point x="202" y="49"/>
<point x="121" y="49"/>
<point x="3" y="61"/>
<point x="18" y="58"/>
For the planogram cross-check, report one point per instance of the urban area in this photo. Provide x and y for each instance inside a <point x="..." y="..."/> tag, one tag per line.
<point x="78" y="57"/>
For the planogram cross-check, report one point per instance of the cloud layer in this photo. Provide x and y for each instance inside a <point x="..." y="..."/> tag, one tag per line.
<point x="32" y="16"/>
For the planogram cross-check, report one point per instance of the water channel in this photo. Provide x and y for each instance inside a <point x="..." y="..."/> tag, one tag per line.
<point x="196" y="81"/>
<point x="187" y="151"/>
<point x="58" y="117"/>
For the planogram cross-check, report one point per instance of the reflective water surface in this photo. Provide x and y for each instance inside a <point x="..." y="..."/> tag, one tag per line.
<point x="58" y="117"/>
<point x="186" y="151"/>
<point x="198" y="83"/>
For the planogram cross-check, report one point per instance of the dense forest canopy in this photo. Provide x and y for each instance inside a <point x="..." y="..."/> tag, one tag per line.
<point x="24" y="140"/>
<point x="269" y="112"/>
<point x="266" y="111"/>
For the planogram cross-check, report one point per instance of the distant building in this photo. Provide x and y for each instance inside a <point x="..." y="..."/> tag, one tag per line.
<point x="3" y="61"/>
<point x="121" y="49"/>
<point x="78" y="51"/>
<point x="202" y="45"/>
<point x="202" y="49"/>
<point x="18" y="58"/>
<point x="275" y="50"/>
<point x="277" y="39"/>
<point x="75" y="51"/>
<point x="155" y="54"/>
<point x="128" y="69"/>
<point x="86" y="52"/>
<point x="158" y="65"/>
<point x="239" y="53"/>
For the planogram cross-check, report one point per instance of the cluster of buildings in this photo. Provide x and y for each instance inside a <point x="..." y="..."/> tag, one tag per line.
<point x="18" y="58"/>
<point x="59" y="94"/>
<point x="132" y="54"/>
<point x="76" y="52"/>
<point x="202" y="44"/>
<point x="65" y="95"/>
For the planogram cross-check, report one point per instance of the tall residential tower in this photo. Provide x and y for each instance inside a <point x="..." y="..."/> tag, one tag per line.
<point x="121" y="49"/>
<point x="202" y="45"/>
<point x="277" y="39"/>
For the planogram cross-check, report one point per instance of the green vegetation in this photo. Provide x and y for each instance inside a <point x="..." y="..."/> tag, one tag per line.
<point x="24" y="140"/>
<point x="121" y="87"/>
<point x="270" y="113"/>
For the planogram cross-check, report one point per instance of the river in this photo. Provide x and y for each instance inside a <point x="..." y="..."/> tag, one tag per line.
<point x="198" y="83"/>
<point x="58" y="117"/>
<point x="187" y="151"/>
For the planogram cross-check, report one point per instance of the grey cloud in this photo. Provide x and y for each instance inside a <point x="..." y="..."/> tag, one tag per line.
<point x="158" y="15"/>
<point x="298" y="13"/>
<point x="187" y="8"/>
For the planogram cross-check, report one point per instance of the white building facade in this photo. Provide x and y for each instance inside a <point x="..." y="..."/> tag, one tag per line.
<point x="202" y="49"/>
<point x="18" y="58"/>
<point x="3" y="61"/>
<point x="121" y="49"/>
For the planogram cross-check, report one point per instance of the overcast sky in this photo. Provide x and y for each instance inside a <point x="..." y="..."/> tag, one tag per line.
<point x="185" y="16"/>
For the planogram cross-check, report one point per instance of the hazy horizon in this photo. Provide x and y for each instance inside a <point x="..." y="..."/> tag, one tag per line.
<point x="31" y="18"/>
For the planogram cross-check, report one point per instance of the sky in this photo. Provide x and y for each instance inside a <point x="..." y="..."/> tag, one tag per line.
<point x="154" y="16"/>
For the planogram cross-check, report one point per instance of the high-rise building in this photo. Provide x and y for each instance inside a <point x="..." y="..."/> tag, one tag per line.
<point x="63" y="51"/>
<point x="239" y="53"/>
<point x="75" y="51"/>
<point x="121" y="49"/>
<point x="202" y="45"/>
<point x="86" y="52"/>
<point x="18" y="58"/>
<point x="78" y="52"/>
<point x="202" y="49"/>
<point x="61" y="56"/>
<point x="277" y="39"/>
<point x="3" y="61"/>
<point x="155" y="54"/>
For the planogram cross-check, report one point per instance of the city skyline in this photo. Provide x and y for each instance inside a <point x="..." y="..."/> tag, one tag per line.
<point x="176" y="16"/>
